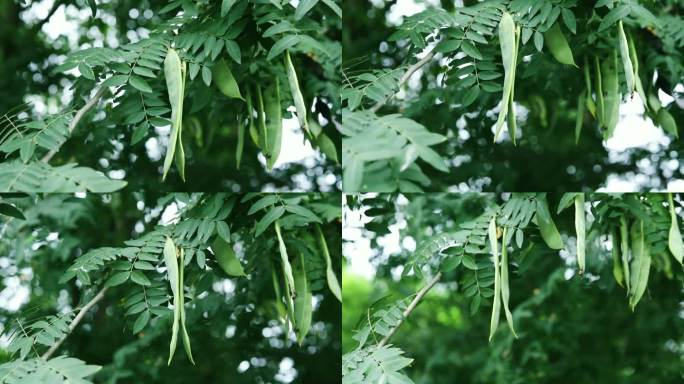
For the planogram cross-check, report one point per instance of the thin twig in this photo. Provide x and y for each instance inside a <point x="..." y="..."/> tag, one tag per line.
<point x="407" y="75"/>
<point x="75" y="321"/>
<point x="416" y="300"/>
<point x="79" y="115"/>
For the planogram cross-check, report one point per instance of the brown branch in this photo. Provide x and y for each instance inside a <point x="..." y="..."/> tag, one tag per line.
<point x="416" y="300"/>
<point x="405" y="77"/>
<point x="75" y="322"/>
<point x="79" y="115"/>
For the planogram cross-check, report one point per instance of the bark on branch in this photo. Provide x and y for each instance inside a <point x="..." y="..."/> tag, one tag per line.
<point x="404" y="78"/>
<point x="414" y="303"/>
<point x="75" y="322"/>
<point x="77" y="118"/>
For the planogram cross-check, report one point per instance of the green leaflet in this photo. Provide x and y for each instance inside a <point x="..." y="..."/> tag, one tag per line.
<point x="226" y="258"/>
<point x="624" y="251"/>
<point x="507" y="41"/>
<point x="285" y="261"/>
<point x="496" y="306"/>
<point x="181" y="308"/>
<point x="674" y="241"/>
<point x="302" y="302"/>
<point x="505" y="291"/>
<point x="617" y="263"/>
<point x="637" y="79"/>
<point x="333" y="283"/>
<point x="327" y="146"/>
<point x="297" y="96"/>
<point x="261" y="116"/>
<point x="626" y="60"/>
<point x="558" y="45"/>
<point x="224" y="80"/>
<point x="612" y="98"/>
<point x="600" y="105"/>
<point x="174" y="72"/>
<point x="667" y="122"/>
<point x="641" y="264"/>
<point x="579" y="119"/>
<point x="580" y="229"/>
<point x="546" y="225"/>
<point x="273" y="125"/>
<point x="172" y="272"/>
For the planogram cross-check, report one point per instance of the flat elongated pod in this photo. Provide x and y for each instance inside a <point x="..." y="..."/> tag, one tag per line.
<point x="507" y="41"/>
<point x="624" y="251"/>
<point x="600" y="105"/>
<point x="180" y="151"/>
<point x="297" y="96"/>
<point x="171" y="264"/>
<point x="626" y="59"/>
<point x="591" y="106"/>
<point x="617" y="262"/>
<point x="510" y="117"/>
<point x="285" y="261"/>
<point x="641" y="264"/>
<point x="611" y="97"/>
<point x="558" y="45"/>
<point x="637" y="79"/>
<point x="253" y="130"/>
<point x="261" y="121"/>
<point x="579" y="119"/>
<point x="239" y="147"/>
<point x="580" y="229"/>
<point x="674" y="241"/>
<point x="173" y="72"/>
<point x="496" y="306"/>
<point x="333" y="283"/>
<point x="181" y="307"/>
<point x="505" y="290"/>
<point x="547" y="227"/>
<point x="274" y="123"/>
<point x="302" y="302"/>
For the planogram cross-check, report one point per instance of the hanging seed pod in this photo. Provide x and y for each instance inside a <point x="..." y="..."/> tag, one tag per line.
<point x="496" y="306"/>
<point x="507" y="41"/>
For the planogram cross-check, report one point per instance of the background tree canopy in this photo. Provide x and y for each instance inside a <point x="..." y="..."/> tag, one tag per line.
<point x="571" y="328"/>
<point x="58" y="251"/>
<point x="455" y="95"/>
<point x="55" y="54"/>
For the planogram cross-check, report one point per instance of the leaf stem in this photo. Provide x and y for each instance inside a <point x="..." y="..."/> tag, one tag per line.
<point x="414" y="303"/>
<point x="407" y="75"/>
<point x="75" y="321"/>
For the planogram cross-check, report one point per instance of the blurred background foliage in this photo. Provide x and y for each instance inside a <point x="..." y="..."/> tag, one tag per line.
<point x="546" y="157"/>
<point x="571" y="329"/>
<point x="232" y="323"/>
<point x="35" y="36"/>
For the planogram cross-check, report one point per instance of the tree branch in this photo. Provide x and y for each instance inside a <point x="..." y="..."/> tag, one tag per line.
<point x="416" y="300"/>
<point x="79" y="115"/>
<point x="407" y="75"/>
<point x="75" y="321"/>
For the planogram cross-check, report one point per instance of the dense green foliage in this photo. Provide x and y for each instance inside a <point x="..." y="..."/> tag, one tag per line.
<point x="571" y="327"/>
<point x="107" y="260"/>
<point x="241" y="64"/>
<point x="426" y="95"/>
